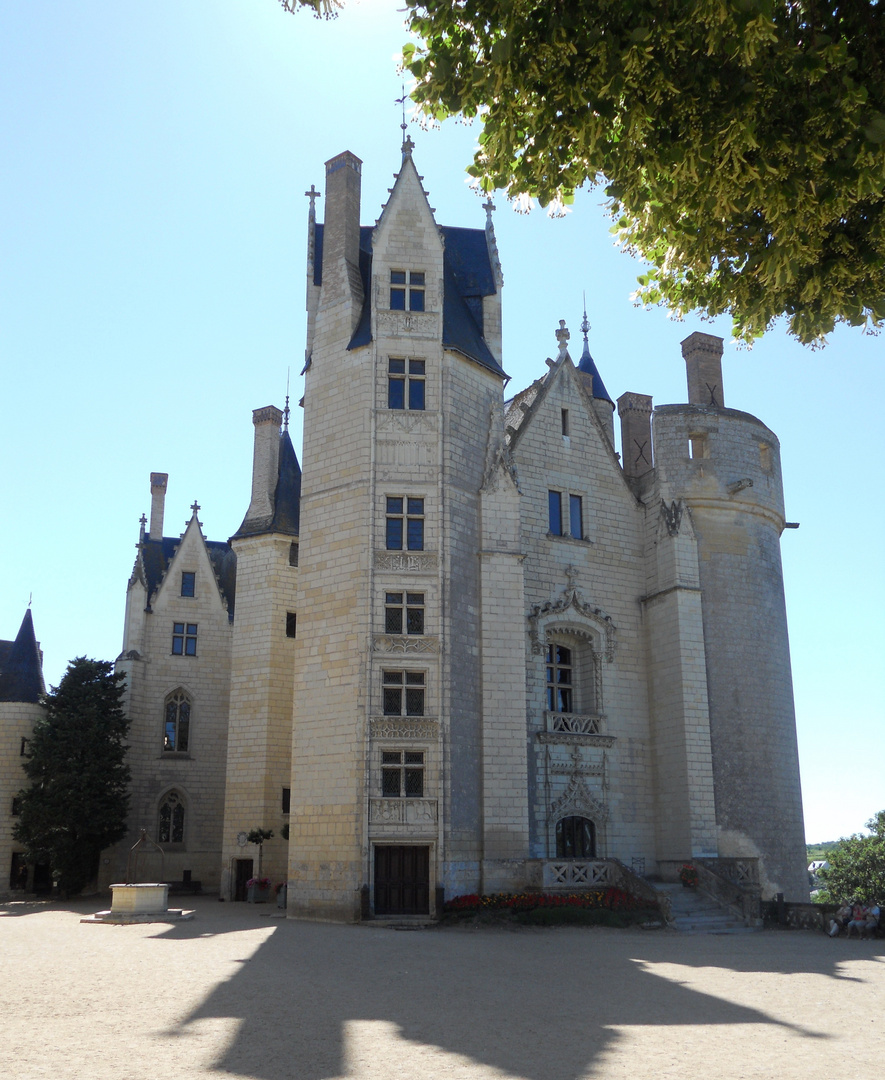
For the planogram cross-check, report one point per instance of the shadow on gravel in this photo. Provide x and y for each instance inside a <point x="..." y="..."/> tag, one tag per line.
<point x="540" y="1004"/>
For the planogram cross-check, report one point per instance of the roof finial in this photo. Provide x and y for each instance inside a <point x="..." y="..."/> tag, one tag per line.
<point x="562" y="336"/>
<point x="585" y="326"/>
<point x="286" y="410"/>
<point x="195" y="506"/>
<point x="313" y="194"/>
<point x="408" y="146"/>
<point x="30" y="598"/>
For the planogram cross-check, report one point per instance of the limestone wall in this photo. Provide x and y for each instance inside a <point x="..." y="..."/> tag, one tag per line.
<point x="726" y="465"/>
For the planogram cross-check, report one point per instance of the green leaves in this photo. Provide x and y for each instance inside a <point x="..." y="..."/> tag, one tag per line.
<point x="744" y="155"/>
<point x="857" y="865"/>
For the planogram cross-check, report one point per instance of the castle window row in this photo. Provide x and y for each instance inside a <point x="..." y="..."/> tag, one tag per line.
<point x="405" y="384"/>
<point x="405" y="524"/>
<point x="403" y="693"/>
<point x="184" y="639"/>
<point x="565" y="514"/>
<point x="404" y="613"/>
<point x="177" y="723"/>
<point x="402" y="774"/>
<point x="407" y="290"/>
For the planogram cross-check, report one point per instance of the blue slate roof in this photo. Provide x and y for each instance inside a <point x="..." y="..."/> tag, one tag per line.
<point x="467" y="278"/>
<point x="286" y="515"/>
<point x="588" y="366"/>
<point x="21" y="672"/>
<point x="156" y="555"/>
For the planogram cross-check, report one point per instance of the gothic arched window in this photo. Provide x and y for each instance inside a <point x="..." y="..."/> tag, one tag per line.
<point x="177" y="722"/>
<point x="171" y="819"/>
<point x="575" y="838"/>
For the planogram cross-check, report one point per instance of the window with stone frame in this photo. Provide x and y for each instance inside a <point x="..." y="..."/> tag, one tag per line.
<point x="405" y="384"/>
<point x="572" y="691"/>
<point x="402" y="774"/>
<point x="404" y="525"/>
<point x="565" y="514"/>
<point x="407" y="290"/>
<point x="404" y="613"/>
<point x="188" y="583"/>
<point x="176" y="722"/>
<point x="170" y="819"/>
<point x="403" y="693"/>
<point x="184" y="639"/>
<point x="575" y="838"/>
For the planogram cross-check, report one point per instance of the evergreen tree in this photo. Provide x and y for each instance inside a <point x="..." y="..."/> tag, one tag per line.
<point x="857" y="866"/>
<point x="77" y="802"/>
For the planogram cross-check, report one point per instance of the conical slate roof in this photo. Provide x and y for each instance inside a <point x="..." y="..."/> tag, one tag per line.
<point x="21" y="672"/>
<point x="588" y="366"/>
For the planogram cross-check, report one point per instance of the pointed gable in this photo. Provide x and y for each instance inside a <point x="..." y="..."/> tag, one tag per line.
<point x="468" y="274"/>
<point x="21" y="670"/>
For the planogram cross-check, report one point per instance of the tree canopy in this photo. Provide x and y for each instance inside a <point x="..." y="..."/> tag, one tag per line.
<point x="857" y="866"/>
<point x="741" y="143"/>
<point x="77" y="801"/>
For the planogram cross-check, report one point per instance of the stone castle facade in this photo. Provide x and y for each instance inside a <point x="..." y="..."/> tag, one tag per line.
<point x="470" y="649"/>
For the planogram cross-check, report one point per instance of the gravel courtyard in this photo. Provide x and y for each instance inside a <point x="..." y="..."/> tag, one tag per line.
<point x="239" y="992"/>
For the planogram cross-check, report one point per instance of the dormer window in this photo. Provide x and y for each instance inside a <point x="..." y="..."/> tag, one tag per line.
<point x="406" y="290"/>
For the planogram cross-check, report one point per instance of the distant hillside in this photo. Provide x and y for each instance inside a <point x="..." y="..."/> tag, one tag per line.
<point x="819" y="851"/>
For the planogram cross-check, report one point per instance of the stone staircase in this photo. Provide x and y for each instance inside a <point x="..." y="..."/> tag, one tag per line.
<point x="696" y="913"/>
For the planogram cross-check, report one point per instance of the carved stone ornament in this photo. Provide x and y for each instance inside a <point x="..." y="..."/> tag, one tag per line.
<point x="406" y="562"/>
<point x="571" y="615"/>
<point x="402" y="811"/>
<point x="499" y="460"/>
<point x="407" y="421"/>
<point x="416" y="324"/>
<point x="401" y="643"/>
<point x="405" y="453"/>
<point x="557" y="738"/>
<point x="672" y="516"/>
<point x="577" y="801"/>
<point x="402" y="727"/>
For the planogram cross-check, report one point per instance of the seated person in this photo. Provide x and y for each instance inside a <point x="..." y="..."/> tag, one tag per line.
<point x="840" y="920"/>
<point x="872" y="922"/>
<point x="858" y="920"/>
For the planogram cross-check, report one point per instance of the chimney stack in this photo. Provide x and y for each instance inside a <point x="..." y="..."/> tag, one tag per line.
<point x="703" y="364"/>
<point x="158" y="504"/>
<point x="635" y="413"/>
<point x="265" y="461"/>
<point x="341" y="235"/>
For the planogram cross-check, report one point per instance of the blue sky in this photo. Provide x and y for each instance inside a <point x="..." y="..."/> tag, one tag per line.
<point x="152" y="294"/>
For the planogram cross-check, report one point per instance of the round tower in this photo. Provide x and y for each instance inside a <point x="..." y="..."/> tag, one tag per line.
<point x="726" y="466"/>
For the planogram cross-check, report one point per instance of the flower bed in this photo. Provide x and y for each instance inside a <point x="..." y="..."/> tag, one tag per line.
<point x="610" y="906"/>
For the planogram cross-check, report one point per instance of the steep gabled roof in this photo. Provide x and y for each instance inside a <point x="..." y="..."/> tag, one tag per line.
<point x="156" y="555"/>
<point x="468" y="276"/>
<point x="21" y="671"/>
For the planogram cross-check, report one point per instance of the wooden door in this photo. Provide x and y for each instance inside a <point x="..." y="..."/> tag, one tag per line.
<point x="243" y="873"/>
<point x="402" y="880"/>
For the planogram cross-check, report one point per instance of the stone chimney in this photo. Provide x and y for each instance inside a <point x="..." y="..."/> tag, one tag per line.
<point x="635" y="413"/>
<point x="265" y="461"/>
<point x="341" y="236"/>
<point x="158" y="504"/>
<point x="703" y="363"/>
